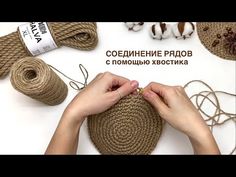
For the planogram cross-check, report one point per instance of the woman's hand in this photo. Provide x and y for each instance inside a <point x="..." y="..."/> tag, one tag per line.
<point x="175" y="107"/>
<point x="103" y="92"/>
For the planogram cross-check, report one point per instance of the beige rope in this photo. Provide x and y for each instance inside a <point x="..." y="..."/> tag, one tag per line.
<point x="211" y="96"/>
<point x="78" y="35"/>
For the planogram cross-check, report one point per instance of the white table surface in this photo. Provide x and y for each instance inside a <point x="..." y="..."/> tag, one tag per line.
<point x="26" y="126"/>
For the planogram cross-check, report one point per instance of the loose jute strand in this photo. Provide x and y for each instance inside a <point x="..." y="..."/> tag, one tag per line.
<point x="78" y="35"/>
<point x="211" y="96"/>
<point x="34" y="78"/>
<point x="74" y="83"/>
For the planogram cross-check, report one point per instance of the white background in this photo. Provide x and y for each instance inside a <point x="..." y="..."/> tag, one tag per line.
<point x="26" y="126"/>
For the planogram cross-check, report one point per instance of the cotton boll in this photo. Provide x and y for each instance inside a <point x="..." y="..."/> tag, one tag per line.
<point x="183" y="30"/>
<point x="130" y="25"/>
<point x="138" y="26"/>
<point x="134" y="26"/>
<point x="160" y="31"/>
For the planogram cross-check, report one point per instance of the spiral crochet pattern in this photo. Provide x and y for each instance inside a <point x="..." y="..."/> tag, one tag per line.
<point x="132" y="126"/>
<point x="34" y="78"/>
<point x="78" y="35"/>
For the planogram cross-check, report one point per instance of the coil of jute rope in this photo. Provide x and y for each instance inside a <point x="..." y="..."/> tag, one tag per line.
<point x="211" y="97"/>
<point x="34" y="78"/>
<point x="39" y="37"/>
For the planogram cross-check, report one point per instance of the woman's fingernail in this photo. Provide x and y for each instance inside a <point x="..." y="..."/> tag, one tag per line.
<point x="134" y="84"/>
<point x="146" y="94"/>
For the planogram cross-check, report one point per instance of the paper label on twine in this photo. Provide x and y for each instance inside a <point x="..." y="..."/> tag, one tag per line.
<point x="37" y="37"/>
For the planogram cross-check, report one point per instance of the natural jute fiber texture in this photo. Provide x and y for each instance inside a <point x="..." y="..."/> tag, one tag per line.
<point x="132" y="126"/>
<point x="78" y="35"/>
<point x="34" y="78"/>
<point x="219" y="38"/>
<point x="219" y="117"/>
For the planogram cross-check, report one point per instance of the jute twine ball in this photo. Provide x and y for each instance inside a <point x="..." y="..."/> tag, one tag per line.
<point x="132" y="126"/>
<point x="213" y="35"/>
<point x="34" y="78"/>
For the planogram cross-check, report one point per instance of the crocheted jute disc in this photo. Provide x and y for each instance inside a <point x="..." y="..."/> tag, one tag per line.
<point x="34" y="78"/>
<point x="208" y="31"/>
<point x="132" y="126"/>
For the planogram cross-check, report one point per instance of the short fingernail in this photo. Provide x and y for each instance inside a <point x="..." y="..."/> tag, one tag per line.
<point x="134" y="84"/>
<point x="146" y="94"/>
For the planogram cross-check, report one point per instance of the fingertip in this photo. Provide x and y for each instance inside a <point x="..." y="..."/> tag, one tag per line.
<point x="155" y="100"/>
<point x="128" y="88"/>
<point x="134" y="84"/>
<point x="135" y="92"/>
<point x="145" y="94"/>
<point x="148" y="94"/>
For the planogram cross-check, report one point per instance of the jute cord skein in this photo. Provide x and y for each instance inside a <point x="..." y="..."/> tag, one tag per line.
<point x="78" y="35"/>
<point x="34" y="78"/>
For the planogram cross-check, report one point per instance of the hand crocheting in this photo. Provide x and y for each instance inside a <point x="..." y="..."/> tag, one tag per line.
<point x="103" y="92"/>
<point x="175" y="107"/>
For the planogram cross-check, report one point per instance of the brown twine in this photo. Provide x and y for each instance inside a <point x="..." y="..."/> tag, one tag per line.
<point x="211" y="96"/>
<point x="78" y="35"/>
<point x="34" y="78"/>
<point x="132" y="126"/>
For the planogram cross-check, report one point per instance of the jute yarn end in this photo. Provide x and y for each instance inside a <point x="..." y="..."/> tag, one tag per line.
<point x="34" y="78"/>
<point x="131" y="127"/>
